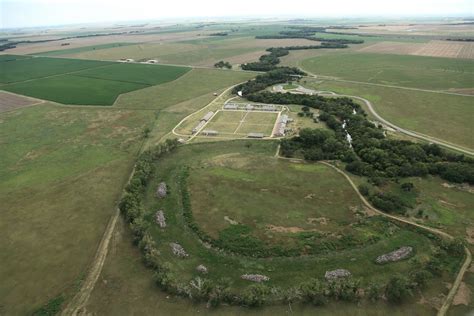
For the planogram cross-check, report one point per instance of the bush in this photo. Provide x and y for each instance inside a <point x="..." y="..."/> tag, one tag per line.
<point x="255" y="295"/>
<point x="398" y="289"/>
<point x="314" y="291"/>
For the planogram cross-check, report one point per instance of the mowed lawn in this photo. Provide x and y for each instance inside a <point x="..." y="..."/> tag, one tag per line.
<point x="63" y="170"/>
<point x="410" y="71"/>
<point x="81" y="82"/>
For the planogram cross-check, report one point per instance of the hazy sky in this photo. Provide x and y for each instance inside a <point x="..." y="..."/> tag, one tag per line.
<point x="16" y="13"/>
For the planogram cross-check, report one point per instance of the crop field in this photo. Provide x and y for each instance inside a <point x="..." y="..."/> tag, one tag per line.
<point x="63" y="170"/>
<point x="410" y="71"/>
<point x="448" y="49"/>
<point x="100" y="84"/>
<point x="79" y="50"/>
<point x="447" y="117"/>
<point x="240" y="123"/>
<point x="32" y="68"/>
<point x="12" y="57"/>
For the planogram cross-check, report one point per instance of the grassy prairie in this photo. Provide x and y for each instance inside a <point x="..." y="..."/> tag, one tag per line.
<point x="447" y="117"/>
<point x="39" y="67"/>
<point x="12" y="57"/>
<point x="283" y="271"/>
<point x="193" y="84"/>
<point x="410" y="71"/>
<point x="62" y="172"/>
<point x="125" y="287"/>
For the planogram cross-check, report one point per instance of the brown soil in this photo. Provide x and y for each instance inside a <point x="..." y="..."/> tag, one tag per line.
<point x="463" y="296"/>
<point x="10" y="101"/>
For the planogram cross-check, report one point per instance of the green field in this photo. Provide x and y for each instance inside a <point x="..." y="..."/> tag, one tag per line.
<point x="63" y="170"/>
<point x="78" y="50"/>
<point x="240" y="123"/>
<point x="12" y="57"/>
<point x="443" y="116"/>
<point x="135" y="73"/>
<point x="39" y="67"/>
<point x="73" y="89"/>
<point x="100" y="84"/>
<point x="283" y="271"/>
<point x="410" y="71"/>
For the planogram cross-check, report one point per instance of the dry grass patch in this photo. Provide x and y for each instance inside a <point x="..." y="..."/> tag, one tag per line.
<point x="10" y="101"/>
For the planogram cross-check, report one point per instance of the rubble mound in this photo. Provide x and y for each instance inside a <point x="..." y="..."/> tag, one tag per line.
<point x="160" y="219"/>
<point x="178" y="250"/>
<point x="254" y="277"/>
<point x="201" y="269"/>
<point x="162" y="190"/>
<point x="336" y="274"/>
<point x="395" y="255"/>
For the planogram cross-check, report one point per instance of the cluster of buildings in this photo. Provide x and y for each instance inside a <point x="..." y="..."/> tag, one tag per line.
<point x="252" y="107"/>
<point x="203" y="121"/>
<point x="280" y="128"/>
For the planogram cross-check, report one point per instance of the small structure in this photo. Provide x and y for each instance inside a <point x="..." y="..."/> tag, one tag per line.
<point x="231" y="106"/>
<point x="178" y="250"/>
<point x="255" y="277"/>
<point x="336" y="274"/>
<point x="208" y="116"/>
<point x="201" y="269"/>
<point x="215" y="94"/>
<point x="152" y="61"/>
<point x="210" y="132"/>
<point x="395" y="255"/>
<point x="269" y="108"/>
<point x="349" y="139"/>
<point x="281" y="125"/>
<point x="161" y="190"/>
<point x="255" y="135"/>
<point x="198" y="127"/>
<point x="160" y="219"/>
<point x="129" y="60"/>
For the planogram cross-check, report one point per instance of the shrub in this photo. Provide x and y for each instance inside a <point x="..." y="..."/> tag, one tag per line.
<point x="398" y="289"/>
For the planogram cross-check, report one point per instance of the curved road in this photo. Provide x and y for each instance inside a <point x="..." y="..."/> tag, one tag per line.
<point x="369" y="105"/>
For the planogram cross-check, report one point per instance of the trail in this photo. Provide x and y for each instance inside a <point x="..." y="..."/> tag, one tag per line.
<point x="467" y="262"/>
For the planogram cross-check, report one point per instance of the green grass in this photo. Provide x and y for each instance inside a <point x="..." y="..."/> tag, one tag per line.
<point x="136" y="73"/>
<point x="72" y="89"/>
<point x="446" y="117"/>
<point x="249" y="191"/>
<point x="77" y="50"/>
<point x="193" y="84"/>
<point x="62" y="172"/>
<point x="289" y="86"/>
<point x="7" y="57"/>
<point x="240" y="123"/>
<point x="125" y="287"/>
<point x="282" y="271"/>
<point x="100" y="85"/>
<point x="410" y="71"/>
<point x="39" y="67"/>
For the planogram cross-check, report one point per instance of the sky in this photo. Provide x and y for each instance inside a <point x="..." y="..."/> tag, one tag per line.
<point x="26" y="13"/>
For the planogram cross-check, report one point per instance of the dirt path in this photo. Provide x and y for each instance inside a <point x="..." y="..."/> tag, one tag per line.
<point x="467" y="262"/>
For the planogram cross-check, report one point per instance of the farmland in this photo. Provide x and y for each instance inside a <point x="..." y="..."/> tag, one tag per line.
<point x="87" y="140"/>
<point x="401" y="70"/>
<point x="73" y="81"/>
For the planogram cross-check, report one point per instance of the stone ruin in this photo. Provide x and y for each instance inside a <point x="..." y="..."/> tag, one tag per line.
<point x="160" y="219"/>
<point x="254" y="277"/>
<point x="201" y="269"/>
<point x="336" y="274"/>
<point x="161" y="191"/>
<point x="395" y="255"/>
<point x="178" y="250"/>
